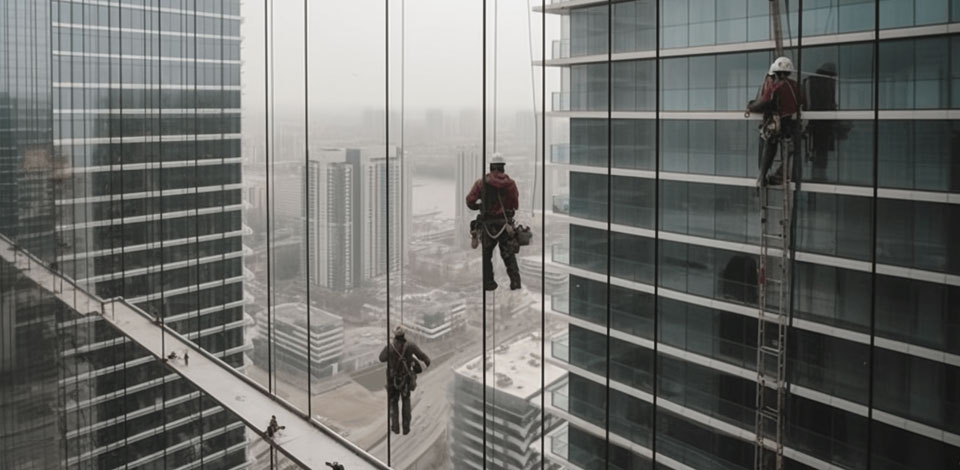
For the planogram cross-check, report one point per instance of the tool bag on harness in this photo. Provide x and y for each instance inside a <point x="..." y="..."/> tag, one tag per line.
<point x="523" y="234"/>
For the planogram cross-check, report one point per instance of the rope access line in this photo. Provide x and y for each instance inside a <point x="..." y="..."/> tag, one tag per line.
<point x="403" y="145"/>
<point x="483" y="158"/>
<point x="386" y="148"/>
<point x="543" y="219"/>
<point x="306" y="194"/>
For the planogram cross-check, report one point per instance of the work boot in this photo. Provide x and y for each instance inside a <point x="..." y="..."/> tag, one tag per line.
<point x="515" y="285"/>
<point x="406" y="431"/>
<point x="490" y="286"/>
<point x="395" y="428"/>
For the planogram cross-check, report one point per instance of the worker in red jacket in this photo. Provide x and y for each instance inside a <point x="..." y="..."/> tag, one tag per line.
<point x="497" y="199"/>
<point x="780" y="104"/>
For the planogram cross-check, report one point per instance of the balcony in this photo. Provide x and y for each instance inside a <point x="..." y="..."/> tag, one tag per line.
<point x="560" y="254"/>
<point x="560" y="101"/>
<point x="627" y="374"/>
<point x="560" y="49"/>
<point x="626" y="431"/>
<point x="560" y="153"/>
<point x="595" y="102"/>
<point x="561" y="204"/>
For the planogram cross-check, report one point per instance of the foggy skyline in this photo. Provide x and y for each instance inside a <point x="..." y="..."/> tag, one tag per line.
<point x="346" y="55"/>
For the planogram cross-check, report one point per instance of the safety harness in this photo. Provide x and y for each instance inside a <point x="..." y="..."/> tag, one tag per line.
<point x="399" y="380"/>
<point x="486" y="228"/>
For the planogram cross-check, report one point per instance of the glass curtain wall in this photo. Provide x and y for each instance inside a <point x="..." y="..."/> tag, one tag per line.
<point x="660" y="230"/>
<point x="144" y="166"/>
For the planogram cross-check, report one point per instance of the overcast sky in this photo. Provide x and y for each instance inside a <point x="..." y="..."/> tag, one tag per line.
<point x="346" y="43"/>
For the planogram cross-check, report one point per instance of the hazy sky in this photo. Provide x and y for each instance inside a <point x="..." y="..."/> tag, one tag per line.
<point x="442" y="53"/>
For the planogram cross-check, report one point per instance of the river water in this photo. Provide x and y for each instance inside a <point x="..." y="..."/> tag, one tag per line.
<point x="434" y="195"/>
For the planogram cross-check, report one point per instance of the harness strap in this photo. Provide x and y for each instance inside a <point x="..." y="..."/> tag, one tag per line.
<point x="400" y="352"/>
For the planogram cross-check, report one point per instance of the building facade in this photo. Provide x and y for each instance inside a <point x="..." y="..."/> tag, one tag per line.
<point x="146" y="118"/>
<point x="660" y="335"/>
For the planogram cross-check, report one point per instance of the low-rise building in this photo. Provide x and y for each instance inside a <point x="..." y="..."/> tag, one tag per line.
<point x="512" y="413"/>
<point x="290" y="333"/>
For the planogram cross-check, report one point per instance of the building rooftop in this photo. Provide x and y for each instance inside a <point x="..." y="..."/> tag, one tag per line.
<point x="517" y="368"/>
<point x="296" y="314"/>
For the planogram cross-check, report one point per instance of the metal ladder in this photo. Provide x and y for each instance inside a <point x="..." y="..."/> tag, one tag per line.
<point x="773" y="289"/>
<point x="773" y="295"/>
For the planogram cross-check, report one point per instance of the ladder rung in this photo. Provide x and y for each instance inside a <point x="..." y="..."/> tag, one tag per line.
<point x="773" y="235"/>
<point x="770" y="350"/>
<point x="769" y="413"/>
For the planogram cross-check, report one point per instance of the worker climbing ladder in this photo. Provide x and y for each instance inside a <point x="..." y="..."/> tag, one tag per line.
<point x="773" y="291"/>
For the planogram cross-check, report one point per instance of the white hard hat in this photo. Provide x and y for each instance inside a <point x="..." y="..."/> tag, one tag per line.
<point x="498" y="159"/>
<point x="399" y="332"/>
<point x="782" y="64"/>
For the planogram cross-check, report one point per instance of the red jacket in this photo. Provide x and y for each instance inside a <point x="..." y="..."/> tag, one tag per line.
<point x="507" y="190"/>
<point x="782" y="96"/>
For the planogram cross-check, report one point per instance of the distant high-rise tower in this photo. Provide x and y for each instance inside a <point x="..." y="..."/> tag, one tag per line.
<point x="348" y="216"/>
<point x="373" y="204"/>
<point x="436" y="125"/>
<point x="469" y="170"/>
<point x="332" y="189"/>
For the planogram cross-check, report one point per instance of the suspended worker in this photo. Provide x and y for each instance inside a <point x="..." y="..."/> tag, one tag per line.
<point x="403" y="366"/>
<point x="497" y="199"/>
<point x="779" y="102"/>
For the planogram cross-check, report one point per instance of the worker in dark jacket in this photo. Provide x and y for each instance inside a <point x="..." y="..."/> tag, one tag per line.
<point x="780" y="104"/>
<point x="497" y="199"/>
<point x="402" y="369"/>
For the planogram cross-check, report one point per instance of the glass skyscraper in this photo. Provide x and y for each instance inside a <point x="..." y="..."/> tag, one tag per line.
<point x="122" y="171"/>
<point x="661" y="236"/>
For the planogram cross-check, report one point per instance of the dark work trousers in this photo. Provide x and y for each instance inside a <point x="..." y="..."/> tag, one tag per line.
<point x="394" y="394"/>
<point x="506" y="253"/>
<point x="770" y="147"/>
